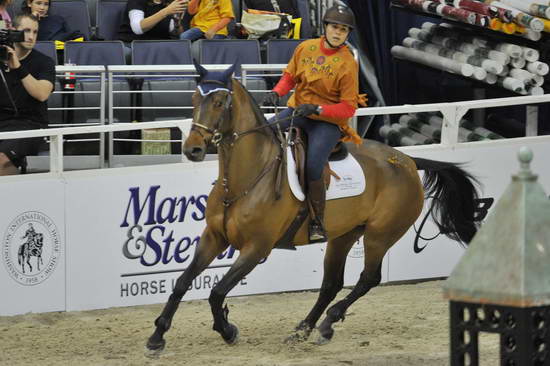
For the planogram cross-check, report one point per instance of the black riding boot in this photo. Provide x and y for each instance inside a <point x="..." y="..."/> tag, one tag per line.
<point x="317" y="195"/>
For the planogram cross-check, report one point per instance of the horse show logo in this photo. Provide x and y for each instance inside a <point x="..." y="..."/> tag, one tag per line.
<point x="31" y="248"/>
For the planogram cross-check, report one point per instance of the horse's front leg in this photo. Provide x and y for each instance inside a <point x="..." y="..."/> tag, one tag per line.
<point x="245" y="263"/>
<point x="333" y="282"/>
<point x="211" y="245"/>
<point x="29" y="262"/>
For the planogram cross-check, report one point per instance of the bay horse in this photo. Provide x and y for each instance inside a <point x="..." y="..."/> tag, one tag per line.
<point x="247" y="210"/>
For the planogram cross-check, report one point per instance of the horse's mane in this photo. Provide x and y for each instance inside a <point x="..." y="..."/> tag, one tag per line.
<point x="258" y="114"/>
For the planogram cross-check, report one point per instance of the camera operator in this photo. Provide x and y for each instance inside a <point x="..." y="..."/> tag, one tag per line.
<point x="28" y="78"/>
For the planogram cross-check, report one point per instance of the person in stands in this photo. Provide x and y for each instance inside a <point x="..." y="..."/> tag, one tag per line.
<point x="151" y="19"/>
<point x="325" y="77"/>
<point x="5" y="19"/>
<point x="210" y="19"/>
<point x="50" y="27"/>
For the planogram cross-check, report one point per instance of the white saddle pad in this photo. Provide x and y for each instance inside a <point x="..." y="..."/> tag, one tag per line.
<point x="352" y="179"/>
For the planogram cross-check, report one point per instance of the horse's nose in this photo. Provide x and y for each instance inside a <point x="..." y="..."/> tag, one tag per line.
<point x="195" y="153"/>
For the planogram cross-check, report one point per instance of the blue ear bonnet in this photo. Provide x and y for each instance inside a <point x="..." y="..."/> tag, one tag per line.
<point x="214" y="81"/>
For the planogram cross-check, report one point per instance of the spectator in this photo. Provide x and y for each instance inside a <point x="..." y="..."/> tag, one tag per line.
<point x="51" y="27"/>
<point x="5" y="19"/>
<point x="30" y="79"/>
<point x="210" y="19"/>
<point x="151" y="19"/>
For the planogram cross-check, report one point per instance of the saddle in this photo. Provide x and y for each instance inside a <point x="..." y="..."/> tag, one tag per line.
<point x="299" y="149"/>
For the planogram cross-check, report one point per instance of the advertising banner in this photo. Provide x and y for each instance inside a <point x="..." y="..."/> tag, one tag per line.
<point x="32" y="273"/>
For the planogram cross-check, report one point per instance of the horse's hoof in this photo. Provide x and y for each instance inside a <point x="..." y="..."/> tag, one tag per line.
<point x="231" y="334"/>
<point x="154" y="347"/>
<point x="300" y="335"/>
<point x="322" y="340"/>
<point x="325" y="332"/>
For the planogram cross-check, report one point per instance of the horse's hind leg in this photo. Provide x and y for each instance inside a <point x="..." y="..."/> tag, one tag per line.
<point x="210" y="246"/>
<point x="333" y="281"/>
<point x="245" y="263"/>
<point x="375" y="249"/>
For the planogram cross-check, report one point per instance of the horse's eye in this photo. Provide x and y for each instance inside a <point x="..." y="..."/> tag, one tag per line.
<point x="218" y="104"/>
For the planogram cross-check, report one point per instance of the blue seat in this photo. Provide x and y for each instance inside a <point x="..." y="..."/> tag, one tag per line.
<point x="76" y="13"/>
<point x="109" y="15"/>
<point x="230" y="51"/>
<point x="164" y="53"/>
<point x="95" y="53"/>
<point x="47" y="48"/>
<point x="279" y="51"/>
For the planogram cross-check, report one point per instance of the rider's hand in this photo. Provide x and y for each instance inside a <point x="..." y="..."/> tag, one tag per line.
<point x="304" y="110"/>
<point x="271" y="99"/>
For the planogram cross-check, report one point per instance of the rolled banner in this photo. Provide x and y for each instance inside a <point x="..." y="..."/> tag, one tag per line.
<point x="525" y="76"/>
<point x="537" y="90"/>
<point x="481" y="8"/>
<point x="479" y="72"/>
<point x="505" y="71"/>
<point x="512" y="84"/>
<point x="530" y="54"/>
<point x="452" y="38"/>
<point x="419" y="126"/>
<point x="539" y="79"/>
<point x="434" y="61"/>
<point x="412" y="134"/>
<point x="533" y="7"/>
<point x="519" y="17"/>
<point x="518" y="63"/>
<point x="482" y="131"/>
<point x="491" y="78"/>
<point x="395" y="138"/>
<point x="537" y="67"/>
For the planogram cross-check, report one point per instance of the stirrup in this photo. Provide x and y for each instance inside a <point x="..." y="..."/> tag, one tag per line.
<point x="316" y="233"/>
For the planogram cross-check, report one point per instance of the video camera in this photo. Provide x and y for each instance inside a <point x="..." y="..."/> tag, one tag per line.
<point x="7" y="38"/>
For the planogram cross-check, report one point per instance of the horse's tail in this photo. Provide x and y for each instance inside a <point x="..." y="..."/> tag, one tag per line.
<point x="454" y="196"/>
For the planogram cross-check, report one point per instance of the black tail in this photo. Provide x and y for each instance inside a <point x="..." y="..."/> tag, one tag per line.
<point x="454" y="196"/>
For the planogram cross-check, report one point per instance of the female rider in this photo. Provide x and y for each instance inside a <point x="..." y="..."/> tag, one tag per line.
<point x="325" y="77"/>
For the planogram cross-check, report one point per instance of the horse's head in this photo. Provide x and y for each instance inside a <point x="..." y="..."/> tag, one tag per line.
<point x="211" y="111"/>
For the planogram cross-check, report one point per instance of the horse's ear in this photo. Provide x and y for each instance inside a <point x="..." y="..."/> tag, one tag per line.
<point x="227" y="73"/>
<point x="201" y="70"/>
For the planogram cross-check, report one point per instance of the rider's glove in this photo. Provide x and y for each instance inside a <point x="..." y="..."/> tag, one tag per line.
<point x="304" y="110"/>
<point x="271" y="99"/>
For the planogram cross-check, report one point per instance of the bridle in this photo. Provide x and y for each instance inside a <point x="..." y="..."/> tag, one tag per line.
<point x="226" y="141"/>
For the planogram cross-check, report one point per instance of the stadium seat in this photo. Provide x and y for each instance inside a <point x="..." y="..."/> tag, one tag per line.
<point x="95" y="53"/>
<point x="229" y="51"/>
<point x="164" y="53"/>
<point x="279" y="51"/>
<point x="161" y="52"/>
<point x="75" y="13"/>
<point x="48" y="49"/>
<point x="109" y="15"/>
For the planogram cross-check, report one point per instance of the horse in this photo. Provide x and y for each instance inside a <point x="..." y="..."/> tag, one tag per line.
<point x="251" y="207"/>
<point x="31" y="248"/>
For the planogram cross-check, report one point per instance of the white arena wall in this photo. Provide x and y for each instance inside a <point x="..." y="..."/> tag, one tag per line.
<point x="91" y="219"/>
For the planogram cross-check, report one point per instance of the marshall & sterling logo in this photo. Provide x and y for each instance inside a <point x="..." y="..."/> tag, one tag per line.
<point x="31" y="248"/>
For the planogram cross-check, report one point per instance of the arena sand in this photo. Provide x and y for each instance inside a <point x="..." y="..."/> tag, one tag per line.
<point x="394" y="325"/>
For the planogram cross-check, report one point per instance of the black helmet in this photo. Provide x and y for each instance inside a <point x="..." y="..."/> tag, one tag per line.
<point x="340" y="14"/>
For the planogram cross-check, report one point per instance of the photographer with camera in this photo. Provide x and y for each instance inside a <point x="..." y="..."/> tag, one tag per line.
<point x="27" y="80"/>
